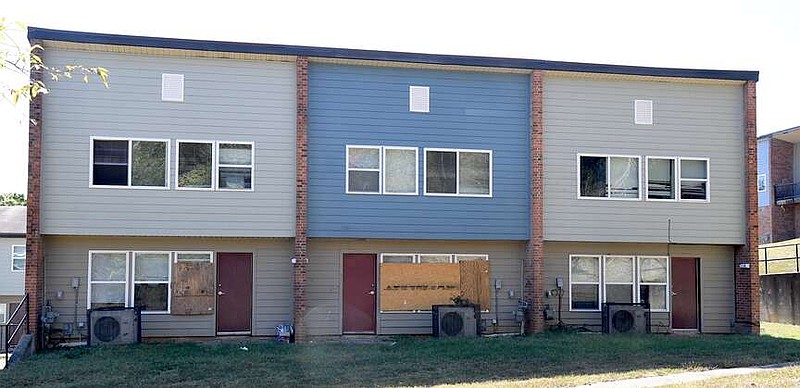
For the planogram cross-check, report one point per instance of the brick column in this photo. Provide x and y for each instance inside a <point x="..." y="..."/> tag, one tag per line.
<point x="534" y="256"/>
<point x="748" y="285"/>
<point x="301" y="204"/>
<point x="34" y="263"/>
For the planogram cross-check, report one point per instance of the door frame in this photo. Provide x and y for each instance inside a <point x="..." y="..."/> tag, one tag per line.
<point x="342" y="253"/>
<point x="252" y="293"/>
<point x="698" y="286"/>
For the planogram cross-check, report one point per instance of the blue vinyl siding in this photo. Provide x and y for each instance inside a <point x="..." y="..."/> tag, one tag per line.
<point x="360" y="105"/>
<point x="763" y="168"/>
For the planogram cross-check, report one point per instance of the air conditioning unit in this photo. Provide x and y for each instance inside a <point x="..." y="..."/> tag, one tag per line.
<point x="114" y="326"/>
<point x="626" y="318"/>
<point x="455" y="321"/>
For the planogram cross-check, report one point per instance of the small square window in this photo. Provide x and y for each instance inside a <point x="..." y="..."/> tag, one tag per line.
<point x="762" y="183"/>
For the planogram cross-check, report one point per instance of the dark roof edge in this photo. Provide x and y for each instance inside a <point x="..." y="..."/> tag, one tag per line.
<point x="12" y="235"/>
<point x="324" y="52"/>
<point x="780" y="132"/>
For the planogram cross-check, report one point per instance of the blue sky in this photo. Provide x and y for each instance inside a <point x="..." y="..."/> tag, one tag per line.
<point x="743" y="35"/>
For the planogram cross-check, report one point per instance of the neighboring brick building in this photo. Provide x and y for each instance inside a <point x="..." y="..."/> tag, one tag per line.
<point x="779" y="185"/>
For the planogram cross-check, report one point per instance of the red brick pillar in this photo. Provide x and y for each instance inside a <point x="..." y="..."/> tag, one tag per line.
<point x="748" y="286"/>
<point x="301" y="204"/>
<point x="534" y="257"/>
<point x="34" y="263"/>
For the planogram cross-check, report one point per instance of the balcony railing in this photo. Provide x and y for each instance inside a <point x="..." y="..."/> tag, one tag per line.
<point x="18" y="320"/>
<point x="787" y="193"/>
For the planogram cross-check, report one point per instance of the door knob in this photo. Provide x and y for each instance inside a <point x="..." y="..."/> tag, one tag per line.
<point x="371" y="292"/>
<point x="220" y="293"/>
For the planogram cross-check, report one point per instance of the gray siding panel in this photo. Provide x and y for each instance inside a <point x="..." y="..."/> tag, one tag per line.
<point x="716" y="281"/>
<point x="225" y="100"/>
<point x="67" y="257"/>
<point x="583" y="115"/>
<point x="11" y="283"/>
<point x="324" y="279"/>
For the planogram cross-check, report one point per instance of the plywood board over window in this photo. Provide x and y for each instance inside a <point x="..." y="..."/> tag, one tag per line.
<point x="418" y="285"/>
<point x="193" y="288"/>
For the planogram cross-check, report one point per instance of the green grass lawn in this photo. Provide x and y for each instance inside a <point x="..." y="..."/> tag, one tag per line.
<point x="547" y="360"/>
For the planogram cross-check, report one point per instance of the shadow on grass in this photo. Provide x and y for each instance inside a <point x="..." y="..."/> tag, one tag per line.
<point x="555" y="359"/>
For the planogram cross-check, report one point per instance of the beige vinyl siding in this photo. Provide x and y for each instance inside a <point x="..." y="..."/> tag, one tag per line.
<point x="225" y="100"/>
<point x="325" y="274"/>
<point x="716" y="281"/>
<point x="12" y="284"/>
<point x="595" y="116"/>
<point x="67" y="257"/>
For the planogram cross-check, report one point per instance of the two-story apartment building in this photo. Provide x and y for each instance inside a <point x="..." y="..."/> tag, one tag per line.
<point x="12" y="259"/>
<point x="227" y="188"/>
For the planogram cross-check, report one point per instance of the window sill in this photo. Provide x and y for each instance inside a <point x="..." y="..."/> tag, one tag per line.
<point x="165" y="188"/>
<point x="459" y="195"/>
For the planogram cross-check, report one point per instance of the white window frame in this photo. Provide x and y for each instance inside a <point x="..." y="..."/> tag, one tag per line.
<point x="176" y="253"/>
<point x="667" y="284"/>
<point x="599" y="281"/>
<point x="459" y="255"/>
<point x="3" y="313"/>
<point x="608" y="196"/>
<point x="458" y="172"/>
<point x="383" y="169"/>
<point x="15" y="257"/>
<point x="675" y="182"/>
<point x="130" y="163"/>
<point x="213" y="165"/>
<point x="134" y="282"/>
<point x="707" y="180"/>
<point x="218" y="165"/>
<point x="634" y="290"/>
<point x="126" y="282"/>
<point x="758" y="180"/>
<point x="348" y="169"/>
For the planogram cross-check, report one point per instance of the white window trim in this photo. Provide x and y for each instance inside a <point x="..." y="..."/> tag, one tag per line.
<point x="383" y="169"/>
<point x="347" y="169"/>
<point x="125" y="282"/>
<point x="599" y="282"/>
<point x="675" y="182"/>
<point x="608" y="180"/>
<point x="130" y="141"/>
<point x="483" y="256"/>
<point x="213" y="165"/>
<point x="707" y="180"/>
<point x="252" y="165"/>
<point x="134" y="282"/>
<point x="14" y="257"/>
<point x="458" y="172"/>
<point x="413" y="255"/>
<point x="758" y="178"/>
<point x="667" y="284"/>
<point x="632" y="283"/>
<point x="176" y="253"/>
<point x="4" y="313"/>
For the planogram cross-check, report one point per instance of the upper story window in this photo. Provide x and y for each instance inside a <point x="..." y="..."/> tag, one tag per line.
<point x="208" y="165"/>
<point x="451" y="172"/>
<point x="661" y="177"/>
<point x="382" y="170"/>
<point x="129" y="162"/>
<point x="694" y="179"/>
<point x="762" y="183"/>
<point x="613" y="177"/>
<point x="17" y="258"/>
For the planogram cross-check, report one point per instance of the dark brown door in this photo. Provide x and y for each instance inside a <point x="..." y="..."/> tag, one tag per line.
<point x="234" y="292"/>
<point x="684" y="293"/>
<point x="358" y="312"/>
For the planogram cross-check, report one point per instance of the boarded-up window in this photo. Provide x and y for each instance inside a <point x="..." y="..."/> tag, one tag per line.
<point x="192" y="286"/>
<point x="429" y="280"/>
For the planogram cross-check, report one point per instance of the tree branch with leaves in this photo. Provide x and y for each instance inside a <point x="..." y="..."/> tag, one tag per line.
<point x="25" y="60"/>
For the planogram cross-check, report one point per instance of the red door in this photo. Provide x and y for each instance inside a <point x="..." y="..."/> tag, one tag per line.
<point x="684" y="293"/>
<point x="234" y="293"/>
<point x="358" y="277"/>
